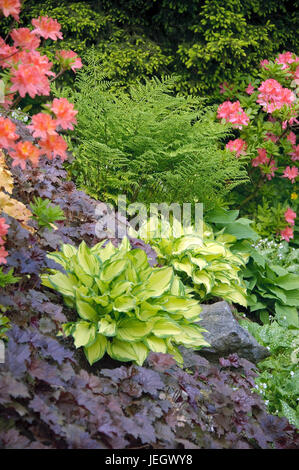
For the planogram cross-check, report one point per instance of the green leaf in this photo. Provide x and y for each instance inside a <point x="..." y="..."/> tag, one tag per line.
<point x="123" y="351"/>
<point x="84" y="334"/>
<point x="286" y="316"/>
<point x="132" y="329"/>
<point x="159" y="281"/>
<point x="165" y="328"/>
<point x="288" y="282"/>
<point x="96" y="350"/>
<point x="124" y="303"/>
<point x="85" y="311"/>
<point x="112" y="270"/>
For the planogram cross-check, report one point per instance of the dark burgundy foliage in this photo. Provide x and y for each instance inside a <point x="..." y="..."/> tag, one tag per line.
<point x="51" y="398"/>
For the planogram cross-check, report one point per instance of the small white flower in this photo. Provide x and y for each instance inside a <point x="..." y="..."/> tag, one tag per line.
<point x="292" y="373"/>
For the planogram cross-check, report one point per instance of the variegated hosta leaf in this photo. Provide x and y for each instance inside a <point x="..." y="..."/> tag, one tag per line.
<point x="125" y="307"/>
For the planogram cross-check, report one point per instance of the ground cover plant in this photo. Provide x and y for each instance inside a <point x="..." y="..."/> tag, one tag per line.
<point x="130" y="375"/>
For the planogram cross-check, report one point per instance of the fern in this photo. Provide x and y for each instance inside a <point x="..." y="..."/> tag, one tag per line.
<point x="149" y="144"/>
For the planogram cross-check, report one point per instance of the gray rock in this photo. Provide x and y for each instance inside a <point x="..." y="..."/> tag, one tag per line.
<point x="226" y="336"/>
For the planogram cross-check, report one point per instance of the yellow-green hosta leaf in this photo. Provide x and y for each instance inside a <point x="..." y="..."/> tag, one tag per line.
<point x="198" y="261"/>
<point x="177" y="287"/>
<point x="174" y="351"/>
<point x="164" y="328"/>
<point x="123" y="351"/>
<point x="174" y="304"/>
<point x="213" y="249"/>
<point x="103" y="253"/>
<point x="85" y="278"/>
<point x="86" y="311"/>
<point x="200" y="277"/>
<point x="191" y="335"/>
<point x="112" y="270"/>
<point x="192" y="314"/>
<point x="102" y="300"/>
<point x="139" y="258"/>
<point x="229" y="293"/>
<point x="156" y="344"/>
<point x="159" y="281"/>
<point x="107" y="326"/>
<point x="185" y="265"/>
<point x="121" y="287"/>
<point x="84" y="334"/>
<point x="61" y="282"/>
<point x="68" y="250"/>
<point x="132" y="329"/>
<point x="96" y="350"/>
<point x="124" y="303"/>
<point x="187" y="242"/>
<point x="146" y="311"/>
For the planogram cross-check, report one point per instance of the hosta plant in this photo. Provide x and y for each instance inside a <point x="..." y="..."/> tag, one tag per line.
<point x="125" y="307"/>
<point x="204" y="262"/>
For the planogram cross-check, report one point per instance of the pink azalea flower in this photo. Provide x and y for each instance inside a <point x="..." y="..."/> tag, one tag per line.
<point x="43" y="125"/>
<point x="295" y="153"/>
<point x="3" y="227"/>
<point x="47" y="28"/>
<point x="64" y="112"/>
<point x="69" y="60"/>
<point x="273" y="96"/>
<point x="269" y="171"/>
<point x="250" y="89"/>
<point x="261" y="159"/>
<point x="3" y="255"/>
<point x="290" y="216"/>
<point x="287" y="233"/>
<point x="29" y="79"/>
<point x="25" y="39"/>
<point x="292" y="138"/>
<point x="272" y="137"/>
<point x="25" y="151"/>
<point x="8" y="134"/>
<point x="290" y="173"/>
<point x="286" y="59"/>
<point x="263" y="63"/>
<point x="10" y="7"/>
<point x="52" y="146"/>
<point x="232" y="112"/>
<point x="238" y="145"/>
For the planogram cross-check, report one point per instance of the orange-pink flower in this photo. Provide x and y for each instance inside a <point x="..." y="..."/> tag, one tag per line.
<point x="64" y="112"/>
<point x="3" y="227"/>
<point x="43" y="125"/>
<point x="273" y="96"/>
<point x="232" y="112"/>
<point x="69" y="60"/>
<point x="7" y="133"/>
<point x="261" y="159"/>
<point x="47" y="28"/>
<point x="290" y="216"/>
<point x="25" y="151"/>
<point x="295" y="153"/>
<point x="290" y="173"/>
<point x="11" y="7"/>
<point x="25" y="39"/>
<point x="52" y="146"/>
<point x="3" y="255"/>
<point x="287" y="233"/>
<point x="29" y="79"/>
<point x="238" y="145"/>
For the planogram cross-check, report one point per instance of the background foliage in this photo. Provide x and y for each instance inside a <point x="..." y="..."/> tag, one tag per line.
<point x="203" y="41"/>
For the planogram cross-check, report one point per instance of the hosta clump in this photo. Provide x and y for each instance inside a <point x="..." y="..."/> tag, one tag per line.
<point x="126" y="307"/>
<point x="206" y="262"/>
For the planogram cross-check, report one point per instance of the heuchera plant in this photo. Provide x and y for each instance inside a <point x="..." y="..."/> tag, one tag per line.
<point x="266" y="116"/>
<point x="24" y="71"/>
